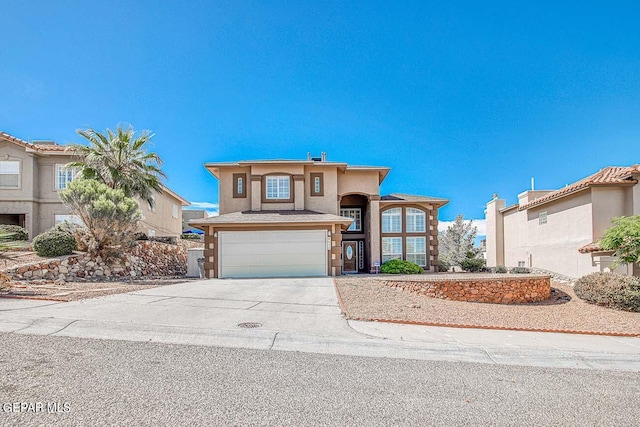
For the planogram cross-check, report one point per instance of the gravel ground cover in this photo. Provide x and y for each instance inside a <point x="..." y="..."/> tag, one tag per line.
<point x="366" y="298"/>
<point x="74" y="291"/>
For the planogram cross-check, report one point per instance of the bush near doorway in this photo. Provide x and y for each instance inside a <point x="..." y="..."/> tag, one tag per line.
<point x="399" y="266"/>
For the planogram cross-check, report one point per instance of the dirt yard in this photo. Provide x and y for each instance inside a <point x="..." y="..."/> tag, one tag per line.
<point x="366" y="298"/>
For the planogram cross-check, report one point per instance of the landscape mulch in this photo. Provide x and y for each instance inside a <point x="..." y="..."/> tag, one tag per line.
<point x="367" y="298"/>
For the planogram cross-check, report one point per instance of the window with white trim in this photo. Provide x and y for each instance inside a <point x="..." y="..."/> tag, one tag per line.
<point x="417" y="250"/>
<point x="392" y="220"/>
<point x="391" y="248"/>
<point x="152" y="233"/>
<point x="9" y="173"/>
<point x="74" y="219"/>
<point x="416" y="220"/>
<point x="356" y="215"/>
<point x="175" y="211"/>
<point x="278" y="187"/>
<point x="64" y="176"/>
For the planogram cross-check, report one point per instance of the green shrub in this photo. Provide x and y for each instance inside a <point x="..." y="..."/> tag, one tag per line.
<point x="520" y="270"/>
<point x="191" y="236"/>
<point x="443" y="265"/>
<point x="54" y="242"/>
<point x="611" y="290"/>
<point x="398" y="266"/>
<point x="500" y="269"/>
<point x="17" y="232"/>
<point x="472" y="265"/>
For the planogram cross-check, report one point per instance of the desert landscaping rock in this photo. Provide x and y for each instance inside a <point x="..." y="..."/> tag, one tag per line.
<point x="367" y="298"/>
<point x="147" y="259"/>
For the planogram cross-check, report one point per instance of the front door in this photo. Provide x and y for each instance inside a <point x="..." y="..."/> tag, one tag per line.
<point x="349" y="257"/>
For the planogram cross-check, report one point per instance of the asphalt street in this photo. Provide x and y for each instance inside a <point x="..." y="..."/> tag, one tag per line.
<point x="105" y="382"/>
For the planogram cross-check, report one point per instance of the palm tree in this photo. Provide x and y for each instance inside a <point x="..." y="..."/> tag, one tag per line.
<point x="119" y="160"/>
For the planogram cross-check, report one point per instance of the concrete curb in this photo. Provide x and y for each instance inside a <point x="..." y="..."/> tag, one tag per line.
<point x="500" y="328"/>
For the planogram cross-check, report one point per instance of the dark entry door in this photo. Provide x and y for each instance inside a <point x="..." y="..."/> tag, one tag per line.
<point x="349" y="257"/>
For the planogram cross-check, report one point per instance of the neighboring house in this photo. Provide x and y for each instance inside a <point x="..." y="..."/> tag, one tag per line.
<point x="191" y="214"/>
<point x="559" y="230"/>
<point x="313" y="218"/>
<point x="31" y="174"/>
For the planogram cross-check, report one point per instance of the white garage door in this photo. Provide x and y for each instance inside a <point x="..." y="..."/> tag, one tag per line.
<point x="272" y="253"/>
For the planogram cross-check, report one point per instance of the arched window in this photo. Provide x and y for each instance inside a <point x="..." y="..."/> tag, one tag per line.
<point x="416" y="220"/>
<point x="392" y="220"/>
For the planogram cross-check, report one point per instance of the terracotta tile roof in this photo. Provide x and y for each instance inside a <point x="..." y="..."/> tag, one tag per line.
<point x="413" y="198"/>
<point x="591" y="247"/>
<point x="36" y="147"/>
<point x="50" y="147"/>
<point x="607" y="176"/>
<point x="272" y="217"/>
<point x="15" y="140"/>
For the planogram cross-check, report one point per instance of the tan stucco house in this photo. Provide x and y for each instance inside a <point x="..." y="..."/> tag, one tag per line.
<point x="313" y="218"/>
<point x="31" y="174"/>
<point x="558" y="230"/>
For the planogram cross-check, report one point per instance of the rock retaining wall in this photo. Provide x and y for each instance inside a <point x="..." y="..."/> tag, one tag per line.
<point x="490" y="289"/>
<point x="147" y="259"/>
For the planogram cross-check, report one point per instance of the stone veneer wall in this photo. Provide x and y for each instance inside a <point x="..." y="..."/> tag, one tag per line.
<point x="147" y="259"/>
<point x="498" y="289"/>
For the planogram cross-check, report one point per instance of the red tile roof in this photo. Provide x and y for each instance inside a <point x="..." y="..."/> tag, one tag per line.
<point x="36" y="147"/>
<point x="610" y="175"/>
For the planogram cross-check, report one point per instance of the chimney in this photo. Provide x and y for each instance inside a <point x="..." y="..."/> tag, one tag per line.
<point x="309" y="155"/>
<point x="323" y="156"/>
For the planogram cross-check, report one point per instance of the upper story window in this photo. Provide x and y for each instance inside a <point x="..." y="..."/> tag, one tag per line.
<point x="175" y="211"/>
<point x="356" y="215"/>
<point x="278" y="187"/>
<point x="317" y="183"/>
<point x="392" y="220"/>
<point x="542" y="218"/>
<point x="9" y="174"/>
<point x="239" y="185"/>
<point x="152" y="205"/>
<point x="416" y="220"/>
<point x="64" y="176"/>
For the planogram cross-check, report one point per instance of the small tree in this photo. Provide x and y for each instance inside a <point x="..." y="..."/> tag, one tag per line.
<point x="456" y="242"/>
<point x="119" y="159"/>
<point x="624" y="239"/>
<point x="109" y="216"/>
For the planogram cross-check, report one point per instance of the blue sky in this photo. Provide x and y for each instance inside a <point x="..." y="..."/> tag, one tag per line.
<point x="460" y="99"/>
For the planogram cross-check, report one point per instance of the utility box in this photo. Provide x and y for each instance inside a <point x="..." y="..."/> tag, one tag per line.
<point x="192" y="261"/>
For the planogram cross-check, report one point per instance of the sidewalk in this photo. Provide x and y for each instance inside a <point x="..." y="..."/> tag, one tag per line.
<point x="303" y="316"/>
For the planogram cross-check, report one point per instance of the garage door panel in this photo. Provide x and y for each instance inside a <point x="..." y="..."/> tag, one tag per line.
<point x="284" y="249"/>
<point x="272" y="253"/>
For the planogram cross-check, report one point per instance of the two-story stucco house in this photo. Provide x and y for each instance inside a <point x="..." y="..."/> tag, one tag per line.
<point x="559" y="230"/>
<point x="31" y="174"/>
<point x="313" y="218"/>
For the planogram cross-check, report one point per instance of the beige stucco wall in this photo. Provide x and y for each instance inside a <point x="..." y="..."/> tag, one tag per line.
<point x="328" y="203"/>
<point x="495" y="232"/>
<point x="608" y="202"/>
<point x="24" y="192"/>
<point x="225" y="191"/>
<point x="359" y="182"/>
<point x="552" y="246"/>
<point x="635" y="197"/>
<point x="161" y="219"/>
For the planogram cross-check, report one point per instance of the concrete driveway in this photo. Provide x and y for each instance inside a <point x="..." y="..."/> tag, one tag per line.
<point x="298" y="315"/>
<point x="305" y="305"/>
